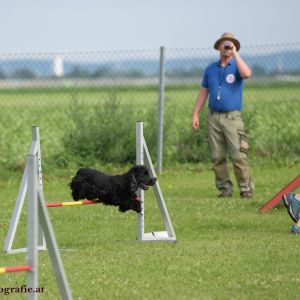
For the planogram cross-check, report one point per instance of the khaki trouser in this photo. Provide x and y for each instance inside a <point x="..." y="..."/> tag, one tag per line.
<point x="226" y="136"/>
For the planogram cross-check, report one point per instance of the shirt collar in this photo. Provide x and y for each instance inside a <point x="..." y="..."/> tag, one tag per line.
<point x="230" y="62"/>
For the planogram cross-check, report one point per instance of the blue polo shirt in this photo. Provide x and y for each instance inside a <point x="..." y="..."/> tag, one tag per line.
<point x="224" y="83"/>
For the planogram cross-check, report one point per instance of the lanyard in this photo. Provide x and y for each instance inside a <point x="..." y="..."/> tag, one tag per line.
<point x="221" y="81"/>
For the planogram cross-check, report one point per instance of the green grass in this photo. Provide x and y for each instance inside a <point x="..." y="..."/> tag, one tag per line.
<point x="270" y="113"/>
<point x="226" y="248"/>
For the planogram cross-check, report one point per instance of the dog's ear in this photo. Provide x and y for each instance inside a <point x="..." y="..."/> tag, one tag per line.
<point x="133" y="184"/>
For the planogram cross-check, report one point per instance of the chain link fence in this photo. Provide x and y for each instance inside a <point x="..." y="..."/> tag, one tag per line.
<point x="57" y="91"/>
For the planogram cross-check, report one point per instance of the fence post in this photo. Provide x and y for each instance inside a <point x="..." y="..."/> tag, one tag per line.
<point x="160" y="109"/>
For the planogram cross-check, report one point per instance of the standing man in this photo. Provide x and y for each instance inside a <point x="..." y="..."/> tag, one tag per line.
<point x="223" y="82"/>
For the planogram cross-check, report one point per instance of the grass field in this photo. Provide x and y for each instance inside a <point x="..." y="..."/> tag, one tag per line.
<point x="271" y="114"/>
<point x="226" y="249"/>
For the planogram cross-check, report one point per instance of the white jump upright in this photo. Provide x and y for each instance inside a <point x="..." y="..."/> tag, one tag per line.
<point x="37" y="217"/>
<point x="143" y="156"/>
<point x="32" y="225"/>
<point x="35" y="150"/>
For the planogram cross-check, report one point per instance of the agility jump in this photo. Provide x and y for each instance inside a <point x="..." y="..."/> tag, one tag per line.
<point x="38" y="220"/>
<point x="142" y="155"/>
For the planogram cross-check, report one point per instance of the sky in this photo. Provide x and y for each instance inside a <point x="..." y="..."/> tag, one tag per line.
<point x="56" y="26"/>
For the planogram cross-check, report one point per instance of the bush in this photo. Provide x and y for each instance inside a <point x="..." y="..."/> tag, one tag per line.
<point x="105" y="132"/>
<point x="90" y="137"/>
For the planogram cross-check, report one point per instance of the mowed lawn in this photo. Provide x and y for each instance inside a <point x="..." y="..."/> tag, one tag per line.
<point x="225" y="249"/>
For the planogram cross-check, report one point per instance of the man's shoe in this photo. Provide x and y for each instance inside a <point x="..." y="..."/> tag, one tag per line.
<point x="295" y="229"/>
<point x="292" y="205"/>
<point x="287" y="199"/>
<point x="246" y="195"/>
<point x="225" y="194"/>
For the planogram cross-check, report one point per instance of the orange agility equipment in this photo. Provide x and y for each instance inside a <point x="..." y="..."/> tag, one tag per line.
<point x="277" y="198"/>
<point x="73" y="203"/>
<point x="4" y="270"/>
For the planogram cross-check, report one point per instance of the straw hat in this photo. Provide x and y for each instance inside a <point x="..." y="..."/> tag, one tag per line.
<point x="227" y="36"/>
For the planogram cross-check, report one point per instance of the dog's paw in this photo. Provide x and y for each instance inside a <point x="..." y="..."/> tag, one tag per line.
<point x="123" y="209"/>
<point x="137" y="209"/>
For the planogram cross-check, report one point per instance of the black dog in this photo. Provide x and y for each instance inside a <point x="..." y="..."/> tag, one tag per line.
<point x="118" y="190"/>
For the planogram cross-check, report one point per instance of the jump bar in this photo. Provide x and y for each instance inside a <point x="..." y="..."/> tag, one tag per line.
<point x="15" y="269"/>
<point x="73" y="203"/>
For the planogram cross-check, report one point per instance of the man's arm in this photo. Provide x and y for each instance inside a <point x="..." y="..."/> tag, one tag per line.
<point x="201" y="99"/>
<point x="243" y="68"/>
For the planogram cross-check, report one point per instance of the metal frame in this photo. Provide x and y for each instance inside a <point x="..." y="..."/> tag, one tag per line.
<point x="36" y="151"/>
<point x="142" y="155"/>
<point x="32" y="224"/>
<point x="37" y="218"/>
